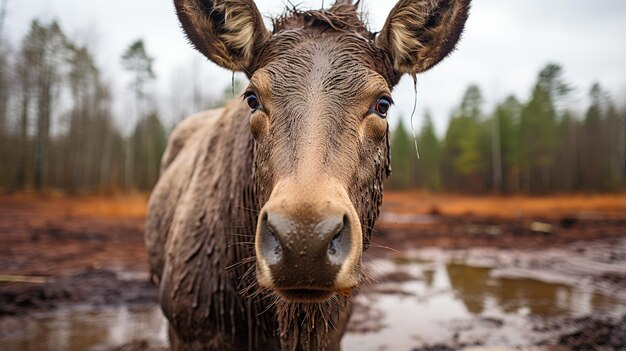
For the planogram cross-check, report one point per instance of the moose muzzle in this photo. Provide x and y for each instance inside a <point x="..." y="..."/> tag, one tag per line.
<point x="308" y="242"/>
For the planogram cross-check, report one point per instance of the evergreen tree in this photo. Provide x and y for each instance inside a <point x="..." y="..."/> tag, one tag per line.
<point x="57" y="130"/>
<point x="538" y="129"/>
<point x="83" y="84"/>
<point x="402" y="158"/>
<point x="48" y="52"/>
<point x="467" y="145"/>
<point x="567" y="164"/>
<point x="137" y="61"/>
<point x="428" y="165"/>
<point x="5" y="95"/>
<point x="616" y="137"/>
<point x="508" y="117"/>
<point x="595" y="147"/>
<point x="149" y="141"/>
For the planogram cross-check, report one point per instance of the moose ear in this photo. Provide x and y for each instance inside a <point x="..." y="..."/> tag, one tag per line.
<point x="228" y="32"/>
<point x="418" y="34"/>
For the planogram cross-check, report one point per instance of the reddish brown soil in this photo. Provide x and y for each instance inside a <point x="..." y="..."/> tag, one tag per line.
<point x="456" y="222"/>
<point x="57" y="237"/>
<point x="60" y="251"/>
<point x="73" y="251"/>
<point x="471" y="231"/>
<point x="508" y="207"/>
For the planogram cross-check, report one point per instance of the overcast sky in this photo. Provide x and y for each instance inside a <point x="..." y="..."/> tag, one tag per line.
<point x="504" y="46"/>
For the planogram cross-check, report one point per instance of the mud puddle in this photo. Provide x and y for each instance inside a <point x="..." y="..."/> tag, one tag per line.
<point x="447" y="302"/>
<point x="414" y="304"/>
<point x="86" y="328"/>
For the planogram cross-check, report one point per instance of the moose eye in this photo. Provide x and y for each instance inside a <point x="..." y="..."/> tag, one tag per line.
<point x="252" y="100"/>
<point x="382" y="106"/>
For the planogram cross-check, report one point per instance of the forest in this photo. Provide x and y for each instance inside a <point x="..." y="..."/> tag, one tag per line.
<point x="57" y="125"/>
<point x="59" y="131"/>
<point x="539" y="146"/>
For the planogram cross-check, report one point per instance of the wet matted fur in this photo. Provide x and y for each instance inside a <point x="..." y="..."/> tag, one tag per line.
<point x="317" y="74"/>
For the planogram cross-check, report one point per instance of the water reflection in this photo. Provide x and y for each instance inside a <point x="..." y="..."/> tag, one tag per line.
<point x="86" y="329"/>
<point x="475" y="285"/>
<point x="452" y="299"/>
<point x="469" y="284"/>
<point x="429" y="276"/>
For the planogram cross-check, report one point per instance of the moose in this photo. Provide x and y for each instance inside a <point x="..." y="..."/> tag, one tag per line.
<point x="257" y="226"/>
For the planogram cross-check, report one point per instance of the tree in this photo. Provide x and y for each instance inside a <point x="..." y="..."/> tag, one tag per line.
<point x="137" y="61"/>
<point x="65" y="136"/>
<point x="64" y="131"/>
<point x="84" y="82"/>
<point x="567" y="165"/>
<point x="4" y="83"/>
<point x="45" y="51"/>
<point x="467" y="145"/>
<point x="57" y="130"/>
<point x="149" y="141"/>
<point x="25" y="87"/>
<point x="428" y="174"/>
<point x="5" y="94"/>
<point x="596" y="172"/>
<point x="616" y="128"/>
<point x="7" y="158"/>
<point x="507" y="115"/>
<point x="4" y="90"/>
<point x="538" y="129"/>
<point x="402" y="158"/>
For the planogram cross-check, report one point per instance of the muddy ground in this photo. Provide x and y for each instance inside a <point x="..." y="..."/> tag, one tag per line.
<point x="58" y="254"/>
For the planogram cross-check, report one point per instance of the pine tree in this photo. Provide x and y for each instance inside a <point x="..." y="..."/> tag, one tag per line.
<point x="508" y="116"/>
<point x="149" y="141"/>
<point x="538" y="129"/>
<point x="45" y="49"/>
<point x="136" y="61"/>
<point x="402" y="158"/>
<point x="428" y="165"/>
<point x="467" y="145"/>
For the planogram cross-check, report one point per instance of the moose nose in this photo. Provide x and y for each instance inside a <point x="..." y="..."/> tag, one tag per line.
<point x="304" y="253"/>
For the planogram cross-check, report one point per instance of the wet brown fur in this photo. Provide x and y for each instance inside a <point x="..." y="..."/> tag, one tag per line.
<point x="317" y="76"/>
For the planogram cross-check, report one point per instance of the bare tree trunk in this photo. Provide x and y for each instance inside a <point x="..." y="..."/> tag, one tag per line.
<point x="3" y="71"/>
<point x="43" y="134"/>
<point x="496" y="153"/>
<point x="130" y="152"/>
<point x="572" y="169"/>
<point x="4" y="94"/>
<point x="621" y="146"/>
<point x="128" y="167"/>
<point x="105" y="165"/>
<point x="23" y="148"/>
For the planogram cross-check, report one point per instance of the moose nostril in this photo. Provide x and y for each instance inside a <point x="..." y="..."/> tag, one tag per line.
<point x="271" y="248"/>
<point x="332" y="248"/>
<point x="275" y="244"/>
<point x="339" y="246"/>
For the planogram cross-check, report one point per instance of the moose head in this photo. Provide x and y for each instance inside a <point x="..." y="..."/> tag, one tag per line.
<point x="319" y="94"/>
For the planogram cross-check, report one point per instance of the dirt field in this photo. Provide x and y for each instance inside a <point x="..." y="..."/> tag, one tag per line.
<point x="66" y="254"/>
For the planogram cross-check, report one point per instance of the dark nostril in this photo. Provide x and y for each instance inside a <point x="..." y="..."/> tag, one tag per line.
<point x="271" y="248"/>
<point x="339" y="246"/>
<point x="275" y="247"/>
<point x="332" y="248"/>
